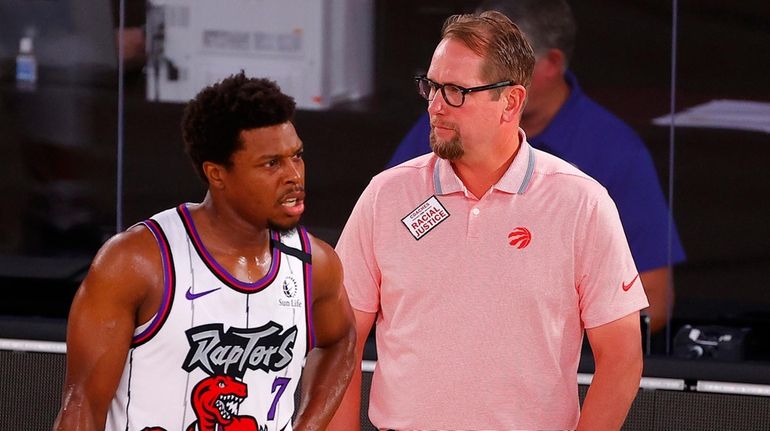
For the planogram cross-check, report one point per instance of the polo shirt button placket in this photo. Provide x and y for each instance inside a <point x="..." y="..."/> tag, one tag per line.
<point x="473" y="223"/>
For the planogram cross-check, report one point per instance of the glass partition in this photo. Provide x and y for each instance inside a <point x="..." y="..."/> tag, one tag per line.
<point x="58" y="109"/>
<point x="622" y="61"/>
<point x="722" y="147"/>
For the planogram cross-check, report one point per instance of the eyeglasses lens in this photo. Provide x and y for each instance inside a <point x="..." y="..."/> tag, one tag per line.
<point x="425" y="88"/>
<point x="452" y="94"/>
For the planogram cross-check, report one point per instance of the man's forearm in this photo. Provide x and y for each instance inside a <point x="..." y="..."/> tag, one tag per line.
<point x="660" y="296"/>
<point x="348" y="415"/>
<point x="610" y="395"/>
<point x="324" y="380"/>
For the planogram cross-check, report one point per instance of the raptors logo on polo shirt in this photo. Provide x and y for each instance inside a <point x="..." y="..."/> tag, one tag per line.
<point x="520" y="237"/>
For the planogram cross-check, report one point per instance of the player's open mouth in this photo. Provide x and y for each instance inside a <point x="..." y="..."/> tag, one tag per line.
<point x="290" y="202"/>
<point x="294" y="206"/>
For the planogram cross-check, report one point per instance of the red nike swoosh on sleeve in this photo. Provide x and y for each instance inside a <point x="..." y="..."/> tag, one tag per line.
<point x="628" y="286"/>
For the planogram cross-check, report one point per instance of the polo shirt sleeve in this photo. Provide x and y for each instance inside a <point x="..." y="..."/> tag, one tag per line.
<point x="355" y="248"/>
<point x="608" y="282"/>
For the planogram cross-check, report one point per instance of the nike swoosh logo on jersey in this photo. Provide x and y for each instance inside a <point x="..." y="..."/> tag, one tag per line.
<point x="628" y="286"/>
<point x="191" y="295"/>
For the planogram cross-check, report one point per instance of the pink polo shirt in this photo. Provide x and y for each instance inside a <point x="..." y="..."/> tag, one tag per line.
<point x="481" y="303"/>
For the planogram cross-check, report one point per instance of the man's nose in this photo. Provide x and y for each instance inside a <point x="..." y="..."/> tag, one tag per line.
<point x="437" y="104"/>
<point x="293" y="172"/>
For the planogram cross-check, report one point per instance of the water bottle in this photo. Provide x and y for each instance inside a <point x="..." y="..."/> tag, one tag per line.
<point x="26" y="64"/>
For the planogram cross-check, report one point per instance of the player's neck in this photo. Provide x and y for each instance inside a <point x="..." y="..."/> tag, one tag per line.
<point x="223" y="229"/>
<point x="242" y="249"/>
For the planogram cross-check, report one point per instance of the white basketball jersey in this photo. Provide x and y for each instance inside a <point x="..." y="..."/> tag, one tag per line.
<point x="220" y="354"/>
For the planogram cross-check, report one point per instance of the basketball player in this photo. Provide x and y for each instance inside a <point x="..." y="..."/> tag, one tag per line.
<point x="200" y="317"/>
<point x="483" y="263"/>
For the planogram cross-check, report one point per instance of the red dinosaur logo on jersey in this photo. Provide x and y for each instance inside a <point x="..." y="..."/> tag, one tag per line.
<point x="520" y="237"/>
<point x="215" y="401"/>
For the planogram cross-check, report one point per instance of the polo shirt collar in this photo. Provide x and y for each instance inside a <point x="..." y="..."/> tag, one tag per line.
<point x="515" y="180"/>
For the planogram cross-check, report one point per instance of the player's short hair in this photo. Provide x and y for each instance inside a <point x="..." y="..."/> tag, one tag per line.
<point x="213" y="121"/>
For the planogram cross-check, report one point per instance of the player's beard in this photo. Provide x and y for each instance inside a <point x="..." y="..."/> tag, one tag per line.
<point x="449" y="150"/>
<point x="282" y="228"/>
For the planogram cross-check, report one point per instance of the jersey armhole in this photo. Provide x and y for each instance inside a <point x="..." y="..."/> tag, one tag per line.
<point x="147" y="330"/>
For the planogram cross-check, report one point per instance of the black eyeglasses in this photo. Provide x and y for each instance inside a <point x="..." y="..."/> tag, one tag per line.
<point x="454" y="95"/>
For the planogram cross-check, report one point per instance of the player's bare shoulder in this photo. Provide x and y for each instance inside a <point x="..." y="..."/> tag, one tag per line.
<point x="128" y="264"/>
<point x="132" y="250"/>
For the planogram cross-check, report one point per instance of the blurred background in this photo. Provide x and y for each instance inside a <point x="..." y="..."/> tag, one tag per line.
<point x="90" y="144"/>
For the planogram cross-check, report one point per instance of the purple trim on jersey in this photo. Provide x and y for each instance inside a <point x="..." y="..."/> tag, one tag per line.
<point x="217" y="269"/>
<point x="169" y="282"/>
<point x="307" y="269"/>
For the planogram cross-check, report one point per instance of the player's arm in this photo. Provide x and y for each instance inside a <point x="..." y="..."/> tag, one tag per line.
<point x="329" y="365"/>
<point x="348" y="416"/>
<point x="661" y="297"/>
<point x="101" y="324"/>
<point x="617" y="350"/>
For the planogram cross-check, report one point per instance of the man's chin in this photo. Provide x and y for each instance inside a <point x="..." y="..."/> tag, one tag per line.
<point x="448" y="150"/>
<point x="283" y="226"/>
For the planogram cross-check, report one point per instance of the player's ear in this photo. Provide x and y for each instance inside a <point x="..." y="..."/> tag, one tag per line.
<point x="215" y="174"/>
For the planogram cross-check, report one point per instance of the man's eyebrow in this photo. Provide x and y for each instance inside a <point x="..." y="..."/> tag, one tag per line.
<point x="299" y="148"/>
<point x="444" y="83"/>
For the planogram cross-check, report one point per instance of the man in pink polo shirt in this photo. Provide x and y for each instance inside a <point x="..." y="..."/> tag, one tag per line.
<point x="483" y="263"/>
